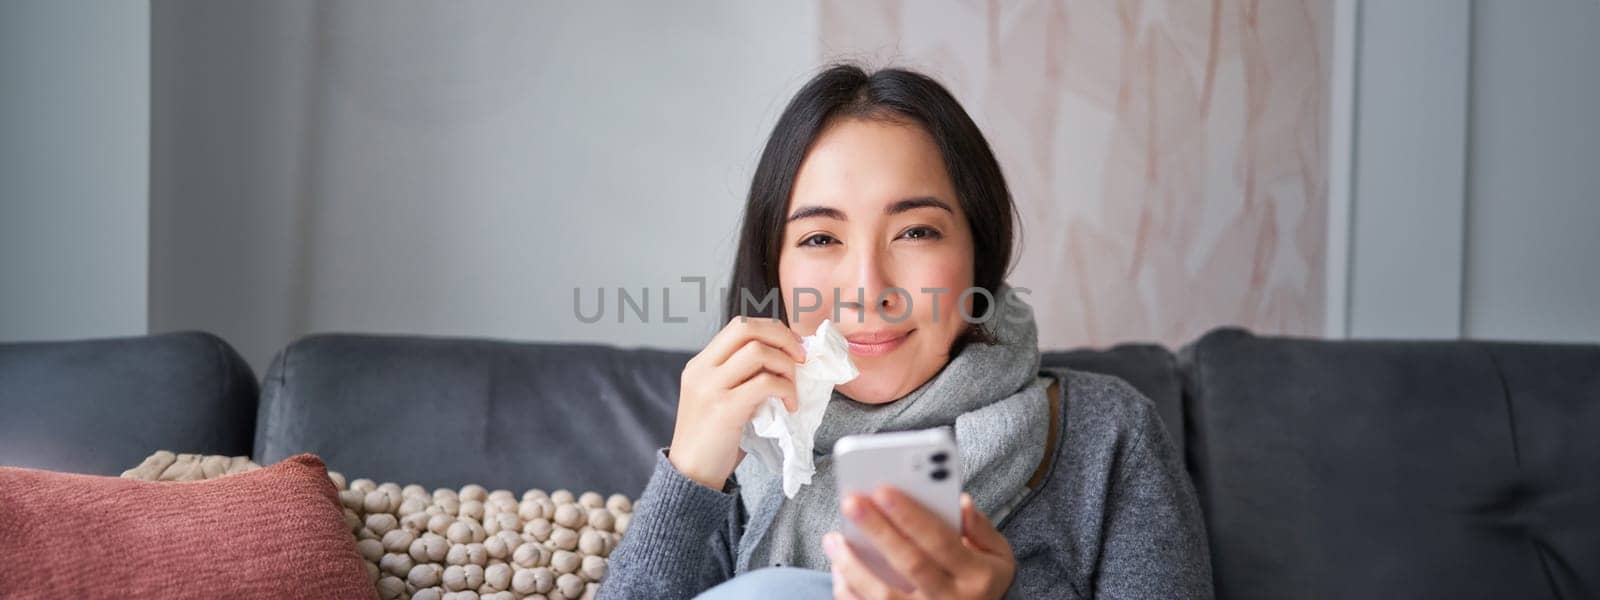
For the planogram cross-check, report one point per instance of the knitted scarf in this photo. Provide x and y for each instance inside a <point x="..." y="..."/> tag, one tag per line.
<point x="994" y="396"/>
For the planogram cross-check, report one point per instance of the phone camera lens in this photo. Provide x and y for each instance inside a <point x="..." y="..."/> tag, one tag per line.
<point x="940" y="457"/>
<point x="940" y="475"/>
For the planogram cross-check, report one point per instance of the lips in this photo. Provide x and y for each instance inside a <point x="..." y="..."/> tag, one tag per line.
<point x="876" y="343"/>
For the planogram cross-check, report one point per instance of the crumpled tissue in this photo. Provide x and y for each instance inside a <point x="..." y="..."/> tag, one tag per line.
<point x="783" y="441"/>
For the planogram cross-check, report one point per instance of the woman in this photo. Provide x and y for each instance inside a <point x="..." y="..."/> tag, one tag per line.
<point x="877" y="203"/>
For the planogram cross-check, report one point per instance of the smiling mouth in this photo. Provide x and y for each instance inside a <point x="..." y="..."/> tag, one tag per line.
<point x="876" y="344"/>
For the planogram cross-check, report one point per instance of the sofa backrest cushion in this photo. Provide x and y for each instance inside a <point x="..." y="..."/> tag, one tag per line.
<point x="1378" y="469"/>
<point x="449" y="412"/>
<point x="98" y="406"/>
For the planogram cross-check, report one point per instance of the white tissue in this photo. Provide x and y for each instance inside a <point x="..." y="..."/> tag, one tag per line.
<point x="782" y="440"/>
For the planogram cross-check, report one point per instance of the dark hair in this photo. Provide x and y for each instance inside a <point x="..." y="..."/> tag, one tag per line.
<point x="847" y="91"/>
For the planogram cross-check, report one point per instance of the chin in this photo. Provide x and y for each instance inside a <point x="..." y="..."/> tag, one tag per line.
<point x="867" y="389"/>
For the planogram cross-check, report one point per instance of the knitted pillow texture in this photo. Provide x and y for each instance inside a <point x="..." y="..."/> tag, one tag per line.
<point x="455" y="544"/>
<point x="272" y="532"/>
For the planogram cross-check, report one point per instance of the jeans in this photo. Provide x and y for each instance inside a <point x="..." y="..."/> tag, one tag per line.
<point x="774" y="582"/>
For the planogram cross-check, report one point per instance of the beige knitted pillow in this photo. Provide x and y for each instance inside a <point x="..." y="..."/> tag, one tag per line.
<point x="456" y="544"/>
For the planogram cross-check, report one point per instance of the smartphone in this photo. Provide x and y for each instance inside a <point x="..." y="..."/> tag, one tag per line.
<point x="924" y="465"/>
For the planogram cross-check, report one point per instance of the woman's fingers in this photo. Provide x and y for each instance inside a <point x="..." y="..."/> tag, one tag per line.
<point x="977" y="529"/>
<point x="742" y="329"/>
<point x="930" y="575"/>
<point x="716" y="399"/>
<point x="841" y="587"/>
<point x="760" y="387"/>
<point x="859" y="581"/>
<point x="752" y="358"/>
<point x="995" y="566"/>
<point x="925" y="530"/>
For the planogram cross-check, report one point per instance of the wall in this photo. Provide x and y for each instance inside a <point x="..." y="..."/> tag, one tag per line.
<point x="1406" y="243"/>
<point x="1533" y="181"/>
<point x="456" y="170"/>
<point x="73" y="168"/>
<point x="459" y="172"/>
<point x="1169" y="159"/>
<point x="1477" y="165"/>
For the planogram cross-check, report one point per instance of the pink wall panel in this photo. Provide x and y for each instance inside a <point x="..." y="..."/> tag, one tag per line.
<point x="1167" y="157"/>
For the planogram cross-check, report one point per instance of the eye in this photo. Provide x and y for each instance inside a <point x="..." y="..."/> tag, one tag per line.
<point x="921" y="233"/>
<point x="821" y="239"/>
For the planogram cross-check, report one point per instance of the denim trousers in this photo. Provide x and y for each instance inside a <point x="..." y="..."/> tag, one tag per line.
<point x="774" y="582"/>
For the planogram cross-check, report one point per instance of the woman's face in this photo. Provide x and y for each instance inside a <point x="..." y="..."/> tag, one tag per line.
<point x="873" y="209"/>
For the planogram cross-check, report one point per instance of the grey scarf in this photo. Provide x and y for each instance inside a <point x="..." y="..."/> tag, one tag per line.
<point x="993" y="396"/>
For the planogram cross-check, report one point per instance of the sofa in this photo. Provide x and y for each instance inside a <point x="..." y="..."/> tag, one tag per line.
<point x="1325" y="469"/>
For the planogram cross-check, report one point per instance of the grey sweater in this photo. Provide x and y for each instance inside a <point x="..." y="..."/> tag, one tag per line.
<point x="1116" y="516"/>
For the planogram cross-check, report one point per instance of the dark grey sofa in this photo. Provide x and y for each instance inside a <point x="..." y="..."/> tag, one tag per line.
<point x="517" y="415"/>
<point x="1360" y="469"/>
<point x="1327" y="469"/>
<point x="101" y="406"/>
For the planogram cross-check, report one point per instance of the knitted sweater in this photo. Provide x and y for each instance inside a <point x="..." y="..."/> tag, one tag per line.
<point x="1116" y="516"/>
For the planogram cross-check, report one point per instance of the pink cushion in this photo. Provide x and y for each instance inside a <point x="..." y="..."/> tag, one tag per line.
<point x="276" y="532"/>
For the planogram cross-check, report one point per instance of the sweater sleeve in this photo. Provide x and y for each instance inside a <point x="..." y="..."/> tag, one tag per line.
<point x="1155" y="540"/>
<point x="680" y="541"/>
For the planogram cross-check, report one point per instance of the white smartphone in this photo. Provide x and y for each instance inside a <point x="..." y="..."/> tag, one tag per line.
<point x="923" y="464"/>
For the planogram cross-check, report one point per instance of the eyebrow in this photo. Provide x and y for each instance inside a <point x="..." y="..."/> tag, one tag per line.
<point x="806" y="212"/>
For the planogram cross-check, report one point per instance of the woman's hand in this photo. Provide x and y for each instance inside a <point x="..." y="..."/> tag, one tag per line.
<point x="750" y="360"/>
<point x="939" y="561"/>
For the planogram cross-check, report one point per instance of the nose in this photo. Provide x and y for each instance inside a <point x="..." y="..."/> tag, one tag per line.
<point x="873" y="285"/>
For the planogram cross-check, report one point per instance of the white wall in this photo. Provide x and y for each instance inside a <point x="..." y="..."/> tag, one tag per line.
<point x="456" y="169"/>
<point x="1476" y="182"/>
<point x="74" y="148"/>
<point x="314" y="171"/>
<point x="1533" y="198"/>
<point x="1409" y="160"/>
<point x="230" y="91"/>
